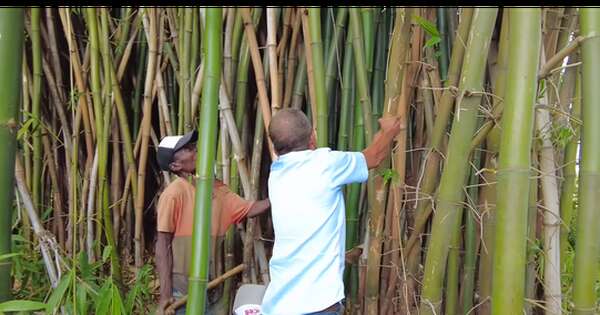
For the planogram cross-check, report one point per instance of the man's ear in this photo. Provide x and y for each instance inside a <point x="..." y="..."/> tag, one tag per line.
<point x="312" y="141"/>
<point x="175" y="167"/>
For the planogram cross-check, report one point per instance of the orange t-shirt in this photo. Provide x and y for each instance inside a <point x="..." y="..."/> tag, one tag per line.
<point x="175" y="214"/>
<point x="175" y="209"/>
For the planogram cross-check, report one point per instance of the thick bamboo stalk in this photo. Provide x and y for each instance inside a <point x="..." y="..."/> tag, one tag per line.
<point x="361" y="72"/>
<point x="587" y="246"/>
<point x="550" y="197"/>
<point x="36" y="49"/>
<point x="471" y="241"/>
<point x="488" y="191"/>
<point x="448" y="209"/>
<point x="198" y="279"/>
<point x="316" y="46"/>
<point x="11" y="45"/>
<point x="103" y="157"/>
<point x="532" y="265"/>
<point x="227" y="50"/>
<point x="508" y="278"/>
<point x="347" y="99"/>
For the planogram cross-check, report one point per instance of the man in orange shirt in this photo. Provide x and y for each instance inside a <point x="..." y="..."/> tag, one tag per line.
<point x="175" y="212"/>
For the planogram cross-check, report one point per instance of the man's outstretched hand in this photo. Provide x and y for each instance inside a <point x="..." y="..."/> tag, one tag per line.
<point x="390" y="125"/>
<point x="379" y="149"/>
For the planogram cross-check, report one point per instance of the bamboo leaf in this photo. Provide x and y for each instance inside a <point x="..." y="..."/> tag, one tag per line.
<point x="82" y="295"/>
<point x="427" y="25"/>
<point x="21" y="306"/>
<point x="432" y="41"/>
<point x="106" y="253"/>
<point x="117" y="302"/>
<point x="59" y="293"/>
<point x="103" y="300"/>
<point x="11" y="255"/>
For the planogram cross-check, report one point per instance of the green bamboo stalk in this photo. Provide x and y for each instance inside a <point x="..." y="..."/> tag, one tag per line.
<point x="314" y="16"/>
<point x="378" y="81"/>
<point x="227" y="53"/>
<point x="26" y="151"/>
<point x="149" y="20"/>
<point x="98" y="102"/>
<point x="470" y="260"/>
<point x="361" y="62"/>
<point x="291" y="60"/>
<point x="532" y="265"/>
<point x="334" y="49"/>
<point x="103" y="151"/>
<point x="347" y="99"/>
<point x="452" y="276"/>
<point x="36" y="49"/>
<point x="442" y="26"/>
<point x="299" y="82"/>
<point x="450" y="195"/>
<point x="11" y="45"/>
<point x="368" y="22"/>
<point x="514" y="161"/>
<point x="569" y="187"/>
<point x="124" y="26"/>
<point x="236" y="42"/>
<point x="488" y="191"/>
<point x="587" y="247"/>
<point x="327" y="22"/>
<point x="204" y="165"/>
<point x="195" y="53"/>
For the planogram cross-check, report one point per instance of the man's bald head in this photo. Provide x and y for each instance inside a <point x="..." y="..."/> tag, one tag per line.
<point x="290" y="131"/>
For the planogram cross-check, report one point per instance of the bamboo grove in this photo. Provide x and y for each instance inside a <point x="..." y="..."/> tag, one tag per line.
<point x="486" y="205"/>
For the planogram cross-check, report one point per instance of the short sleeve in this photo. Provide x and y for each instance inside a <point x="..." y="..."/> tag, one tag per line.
<point x="166" y="212"/>
<point x="347" y="167"/>
<point x="233" y="207"/>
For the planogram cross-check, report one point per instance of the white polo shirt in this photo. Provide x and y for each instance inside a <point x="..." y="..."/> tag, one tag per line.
<point x="307" y="205"/>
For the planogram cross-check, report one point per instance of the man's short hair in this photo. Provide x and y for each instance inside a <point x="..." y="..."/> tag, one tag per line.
<point x="290" y="131"/>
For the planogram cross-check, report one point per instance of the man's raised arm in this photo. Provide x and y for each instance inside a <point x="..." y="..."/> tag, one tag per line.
<point x="378" y="150"/>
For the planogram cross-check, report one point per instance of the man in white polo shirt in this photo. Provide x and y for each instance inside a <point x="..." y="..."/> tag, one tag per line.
<point x="307" y="204"/>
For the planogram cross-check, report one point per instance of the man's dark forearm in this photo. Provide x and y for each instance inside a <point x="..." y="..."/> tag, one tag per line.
<point x="379" y="149"/>
<point x="164" y="264"/>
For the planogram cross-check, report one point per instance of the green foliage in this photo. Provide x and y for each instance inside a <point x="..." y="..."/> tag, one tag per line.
<point x="21" y="306"/>
<point x="562" y="135"/>
<point x="82" y="289"/>
<point x="389" y="175"/>
<point x="430" y="29"/>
